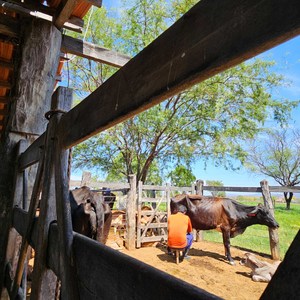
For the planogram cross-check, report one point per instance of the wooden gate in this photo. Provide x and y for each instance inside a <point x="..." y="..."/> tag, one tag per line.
<point x="153" y="210"/>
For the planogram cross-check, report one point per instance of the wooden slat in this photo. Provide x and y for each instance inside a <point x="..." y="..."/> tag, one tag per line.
<point x="5" y="84"/>
<point x="6" y="64"/>
<point x="34" y="9"/>
<point x="109" y="277"/>
<point x="9" y="26"/>
<point x="32" y="154"/>
<point x="3" y="111"/>
<point x="232" y="189"/>
<point x="93" y="52"/>
<point x="4" y="100"/>
<point x="64" y="12"/>
<point x="210" y="38"/>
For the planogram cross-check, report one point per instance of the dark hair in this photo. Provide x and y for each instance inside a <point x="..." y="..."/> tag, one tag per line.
<point x="181" y="208"/>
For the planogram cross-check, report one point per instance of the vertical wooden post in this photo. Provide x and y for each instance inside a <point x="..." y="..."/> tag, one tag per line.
<point x="86" y="178"/>
<point x="139" y="210"/>
<point x="199" y="190"/>
<point x="131" y="214"/>
<point x="168" y="196"/>
<point x="69" y="287"/>
<point x="14" y="239"/>
<point x="273" y="233"/>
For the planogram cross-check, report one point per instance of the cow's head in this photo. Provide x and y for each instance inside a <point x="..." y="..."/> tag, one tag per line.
<point x="93" y="205"/>
<point x="263" y="216"/>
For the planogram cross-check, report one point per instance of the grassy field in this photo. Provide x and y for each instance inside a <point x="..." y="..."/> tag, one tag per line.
<point x="256" y="237"/>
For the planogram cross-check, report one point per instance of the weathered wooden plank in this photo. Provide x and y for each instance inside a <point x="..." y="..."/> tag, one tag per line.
<point x="4" y="111"/>
<point x="131" y="214"/>
<point x="32" y="153"/>
<point x="273" y="233"/>
<point x="64" y="12"/>
<point x="232" y="189"/>
<point x="5" y="84"/>
<point x="69" y="286"/>
<point x="109" y="277"/>
<point x="29" y="227"/>
<point x="44" y="281"/>
<point x="285" y="189"/>
<point x="6" y="64"/>
<point x="34" y="9"/>
<point x="212" y="37"/>
<point x="93" y="52"/>
<point x="9" y="26"/>
<point x="4" y="99"/>
<point x="20" y="219"/>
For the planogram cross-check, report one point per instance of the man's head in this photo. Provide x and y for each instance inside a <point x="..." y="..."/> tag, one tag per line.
<point x="181" y="208"/>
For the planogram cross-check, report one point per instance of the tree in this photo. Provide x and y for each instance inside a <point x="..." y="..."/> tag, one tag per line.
<point x="209" y="121"/>
<point x="182" y="176"/>
<point x="216" y="183"/>
<point x="277" y="157"/>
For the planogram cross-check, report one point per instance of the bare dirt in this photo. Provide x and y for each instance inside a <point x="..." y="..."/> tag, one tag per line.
<point x="206" y="269"/>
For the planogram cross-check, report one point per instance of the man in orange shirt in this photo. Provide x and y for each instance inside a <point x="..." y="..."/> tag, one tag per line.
<point x="180" y="231"/>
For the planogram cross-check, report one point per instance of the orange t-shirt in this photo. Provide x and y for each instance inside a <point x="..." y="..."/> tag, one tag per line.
<point x="178" y="226"/>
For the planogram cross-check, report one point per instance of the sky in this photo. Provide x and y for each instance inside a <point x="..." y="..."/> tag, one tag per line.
<point x="287" y="56"/>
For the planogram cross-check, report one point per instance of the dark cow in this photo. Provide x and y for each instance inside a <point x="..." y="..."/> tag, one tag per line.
<point x="91" y="216"/>
<point x="224" y="214"/>
<point x="109" y="197"/>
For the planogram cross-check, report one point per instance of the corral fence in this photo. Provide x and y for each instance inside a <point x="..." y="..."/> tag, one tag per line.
<point x="146" y="216"/>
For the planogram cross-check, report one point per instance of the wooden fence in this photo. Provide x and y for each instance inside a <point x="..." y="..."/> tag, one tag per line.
<point x="150" y="225"/>
<point x="76" y="261"/>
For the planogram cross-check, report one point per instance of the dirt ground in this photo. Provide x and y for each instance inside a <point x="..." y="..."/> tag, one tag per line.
<point x="206" y="268"/>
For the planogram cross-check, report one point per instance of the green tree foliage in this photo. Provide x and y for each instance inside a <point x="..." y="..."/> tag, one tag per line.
<point x="182" y="176"/>
<point x="278" y="157"/>
<point x="212" y="120"/>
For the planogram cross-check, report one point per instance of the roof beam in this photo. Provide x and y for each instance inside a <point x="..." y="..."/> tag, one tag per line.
<point x="6" y="64"/>
<point x="4" y="100"/>
<point x="93" y="52"/>
<point x="40" y="11"/>
<point x="64" y="12"/>
<point x="9" y="26"/>
<point x="5" y="84"/>
<point x="210" y="38"/>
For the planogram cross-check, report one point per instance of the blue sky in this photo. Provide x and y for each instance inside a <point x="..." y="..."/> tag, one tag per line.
<point x="287" y="56"/>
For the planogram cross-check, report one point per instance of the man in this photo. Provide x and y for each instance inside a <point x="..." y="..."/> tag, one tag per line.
<point x="180" y="231"/>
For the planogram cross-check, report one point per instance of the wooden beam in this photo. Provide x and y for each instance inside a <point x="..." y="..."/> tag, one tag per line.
<point x="9" y="26"/>
<point x="36" y="10"/>
<point x="64" y="12"/>
<point x="93" y="52"/>
<point x="210" y="38"/>
<point x="6" y="64"/>
<point x="5" y="99"/>
<point x="5" y="84"/>
<point x="3" y="111"/>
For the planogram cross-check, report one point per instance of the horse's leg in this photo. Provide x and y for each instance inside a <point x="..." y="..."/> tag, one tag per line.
<point x="226" y="242"/>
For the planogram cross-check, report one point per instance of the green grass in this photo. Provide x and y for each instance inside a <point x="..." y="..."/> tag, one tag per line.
<point x="256" y="237"/>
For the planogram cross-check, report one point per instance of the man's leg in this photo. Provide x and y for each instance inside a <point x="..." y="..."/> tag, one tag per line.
<point x="189" y="240"/>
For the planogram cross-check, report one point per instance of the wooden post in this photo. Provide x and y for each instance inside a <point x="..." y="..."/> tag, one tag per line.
<point x="273" y="234"/>
<point x="86" y="178"/>
<point x="139" y="209"/>
<point x="131" y="214"/>
<point x="199" y="190"/>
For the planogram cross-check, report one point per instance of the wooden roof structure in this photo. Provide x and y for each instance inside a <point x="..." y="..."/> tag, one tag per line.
<point x="210" y="38"/>
<point x="68" y="15"/>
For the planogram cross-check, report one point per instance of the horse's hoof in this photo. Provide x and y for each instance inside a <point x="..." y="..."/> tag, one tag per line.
<point x="232" y="263"/>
